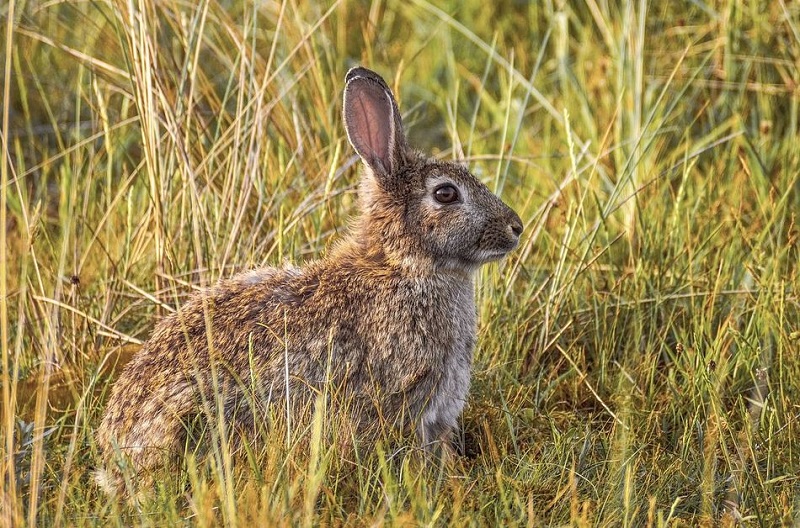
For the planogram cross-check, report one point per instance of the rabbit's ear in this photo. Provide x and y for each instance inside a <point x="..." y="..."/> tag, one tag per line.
<point x="373" y="122"/>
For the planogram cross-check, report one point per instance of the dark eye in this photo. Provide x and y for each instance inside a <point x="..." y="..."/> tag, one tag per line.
<point x="446" y="194"/>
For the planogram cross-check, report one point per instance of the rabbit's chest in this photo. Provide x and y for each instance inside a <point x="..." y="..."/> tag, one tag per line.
<point x="442" y="328"/>
<point x="447" y="393"/>
<point x="422" y="348"/>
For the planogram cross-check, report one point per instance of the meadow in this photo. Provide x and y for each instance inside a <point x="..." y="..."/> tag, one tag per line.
<point x="637" y="359"/>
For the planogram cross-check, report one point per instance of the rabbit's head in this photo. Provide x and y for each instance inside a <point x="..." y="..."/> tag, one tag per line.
<point x="418" y="212"/>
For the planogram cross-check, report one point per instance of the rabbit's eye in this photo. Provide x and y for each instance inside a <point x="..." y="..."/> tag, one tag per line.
<point x="446" y="194"/>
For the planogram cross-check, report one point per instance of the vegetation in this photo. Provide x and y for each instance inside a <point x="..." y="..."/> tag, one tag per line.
<point x="637" y="361"/>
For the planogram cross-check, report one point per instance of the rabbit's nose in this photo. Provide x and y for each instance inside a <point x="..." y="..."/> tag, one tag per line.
<point x="515" y="225"/>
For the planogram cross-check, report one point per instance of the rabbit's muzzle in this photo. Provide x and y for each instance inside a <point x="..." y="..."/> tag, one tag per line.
<point x="500" y="236"/>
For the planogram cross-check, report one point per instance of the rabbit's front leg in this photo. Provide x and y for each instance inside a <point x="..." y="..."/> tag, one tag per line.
<point x="432" y="435"/>
<point x="439" y="420"/>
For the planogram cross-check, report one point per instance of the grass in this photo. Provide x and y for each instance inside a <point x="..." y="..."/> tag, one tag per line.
<point x="637" y="361"/>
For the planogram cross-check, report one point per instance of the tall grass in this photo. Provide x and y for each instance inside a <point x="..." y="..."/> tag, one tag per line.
<point x="637" y="360"/>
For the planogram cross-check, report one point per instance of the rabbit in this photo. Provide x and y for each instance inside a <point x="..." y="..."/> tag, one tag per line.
<point x="387" y="320"/>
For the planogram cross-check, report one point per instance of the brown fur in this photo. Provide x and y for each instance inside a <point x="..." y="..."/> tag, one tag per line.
<point x="387" y="320"/>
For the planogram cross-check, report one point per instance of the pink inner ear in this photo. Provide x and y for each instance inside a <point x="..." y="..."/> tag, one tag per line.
<point x="369" y="121"/>
<point x="368" y="127"/>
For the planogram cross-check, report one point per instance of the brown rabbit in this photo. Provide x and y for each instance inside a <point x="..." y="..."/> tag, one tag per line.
<point x="387" y="320"/>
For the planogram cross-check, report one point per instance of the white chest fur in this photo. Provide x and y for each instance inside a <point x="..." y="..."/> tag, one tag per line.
<point x="440" y="416"/>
